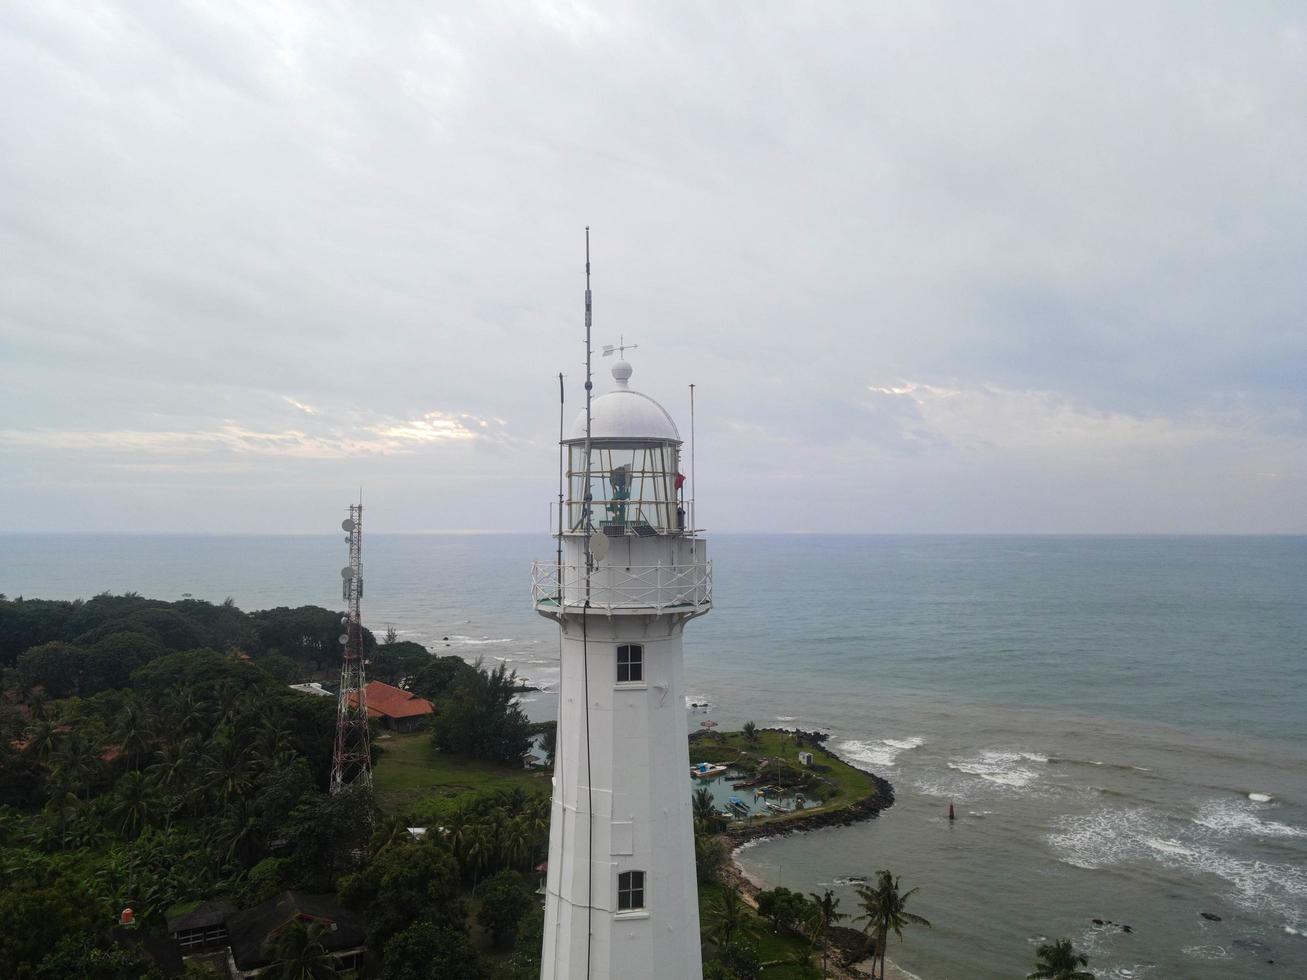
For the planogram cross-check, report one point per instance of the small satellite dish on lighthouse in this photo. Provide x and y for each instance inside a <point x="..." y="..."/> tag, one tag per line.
<point x="598" y="546"/>
<point x="347" y="572"/>
<point x="347" y="524"/>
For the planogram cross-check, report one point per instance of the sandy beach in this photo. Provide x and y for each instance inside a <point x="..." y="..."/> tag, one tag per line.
<point x="750" y="884"/>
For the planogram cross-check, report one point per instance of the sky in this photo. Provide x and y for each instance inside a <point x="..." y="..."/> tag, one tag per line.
<point x="931" y="267"/>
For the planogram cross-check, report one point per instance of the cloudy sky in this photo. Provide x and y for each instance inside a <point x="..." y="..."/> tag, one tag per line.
<point x="1031" y="267"/>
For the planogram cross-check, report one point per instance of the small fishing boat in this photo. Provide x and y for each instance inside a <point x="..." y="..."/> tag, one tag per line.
<point x="774" y="807"/>
<point x="706" y="770"/>
<point x="738" y="805"/>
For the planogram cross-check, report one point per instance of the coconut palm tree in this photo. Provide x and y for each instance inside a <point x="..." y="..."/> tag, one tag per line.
<point x="42" y="737"/>
<point x="136" y="801"/>
<point x="884" y="911"/>
<point x="750" y="732"/>
<point x="1060" y="961"/>
<point x="227" y="768"/>
<point x="133" y="731"/>
<point x="825" y="913"/>
<point x="728" y="916"/>
<point x="705" y="810"/>
<point x="515" y="843"/>
<point x="77" y="759"/>
<point x="62" y="804"/>
<point x="239" y="830"/>
<point x="297" y="953"/>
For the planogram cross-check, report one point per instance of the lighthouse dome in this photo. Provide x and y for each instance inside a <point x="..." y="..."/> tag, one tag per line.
<point x="626" y="415"/>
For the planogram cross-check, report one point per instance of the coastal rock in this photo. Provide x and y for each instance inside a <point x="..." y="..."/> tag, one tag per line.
<point x="856" y="812"/>
<point x="1210" y="916"/>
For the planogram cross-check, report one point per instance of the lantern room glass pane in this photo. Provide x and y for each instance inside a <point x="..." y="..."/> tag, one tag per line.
<point x="633" y="489"/>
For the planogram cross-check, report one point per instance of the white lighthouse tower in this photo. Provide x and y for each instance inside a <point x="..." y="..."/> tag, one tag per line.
<point x="622" y="900"/>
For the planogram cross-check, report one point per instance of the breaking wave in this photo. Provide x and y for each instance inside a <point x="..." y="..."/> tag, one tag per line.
<point x="881" y="752"/>
<point x="1107" y="838"/>
<point x="1238" y="818"/>
<point x="1011" y="769"/>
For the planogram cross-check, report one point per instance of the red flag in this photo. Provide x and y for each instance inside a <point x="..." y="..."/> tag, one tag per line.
<point x="680" y="480"/>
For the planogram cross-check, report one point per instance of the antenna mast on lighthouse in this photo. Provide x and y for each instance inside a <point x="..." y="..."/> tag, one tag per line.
<point x="352" y="761"/>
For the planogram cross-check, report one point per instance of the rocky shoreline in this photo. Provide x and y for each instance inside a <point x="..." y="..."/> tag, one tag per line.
<point x="847" y="945"/>
<point x="844" y="815"/>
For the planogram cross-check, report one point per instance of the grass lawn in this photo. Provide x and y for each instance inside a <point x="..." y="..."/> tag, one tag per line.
<point x="840" y="784"/>
<point x="773" y="949"/>
<point x="410" y="769"/>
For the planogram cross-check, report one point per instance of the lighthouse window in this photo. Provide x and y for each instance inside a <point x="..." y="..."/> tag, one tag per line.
<point x="630" y="664"/>
<point x="630" y="891"/>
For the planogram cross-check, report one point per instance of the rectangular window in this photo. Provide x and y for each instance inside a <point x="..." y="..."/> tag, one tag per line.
<point x="630" y="664"/>
<point x="630" y="891"/>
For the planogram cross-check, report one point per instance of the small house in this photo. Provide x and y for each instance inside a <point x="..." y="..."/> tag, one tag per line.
<point x="395" y="708"/>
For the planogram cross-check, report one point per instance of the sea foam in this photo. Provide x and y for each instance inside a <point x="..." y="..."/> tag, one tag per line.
<point x="881" y="752"/>
<point x="1230" y="819"/>
<point x="1009" y="769"/>
<point x="1109" y="837"/>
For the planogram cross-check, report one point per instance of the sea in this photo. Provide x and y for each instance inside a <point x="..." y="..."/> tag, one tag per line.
<point x="1120" y="723"/>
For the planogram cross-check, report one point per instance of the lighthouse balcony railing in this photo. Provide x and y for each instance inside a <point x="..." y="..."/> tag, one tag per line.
<point x="622" y="587"/>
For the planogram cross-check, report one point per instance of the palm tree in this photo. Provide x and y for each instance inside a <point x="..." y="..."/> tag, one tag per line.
<point x="705" y="810"/>
<point x="42" y="737"/>
<point x="227" y="768"/>
<point x="1059" y="961"/>
<point x="478" y="846"/>
<point x="135" y="803"/>
<point x="297" y="953"/>
<point x="727" y="916"/>
<point x="239" y="828"/>
<point x="271" y="739"/>
<point x="63" y="804"/>
<point x="78" y="760"/>
<point x="825" y="913"/>
<point x="750" y="732"/>
<point x="133" y="731"/>
<point x="515" y="842"/>
<point x="884" y="910"/>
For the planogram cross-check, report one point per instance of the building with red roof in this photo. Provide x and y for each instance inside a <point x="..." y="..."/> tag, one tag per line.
<point x="396" y="708"/>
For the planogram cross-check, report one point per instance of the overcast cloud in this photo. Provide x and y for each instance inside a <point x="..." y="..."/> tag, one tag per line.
<point x="932" y="267"/>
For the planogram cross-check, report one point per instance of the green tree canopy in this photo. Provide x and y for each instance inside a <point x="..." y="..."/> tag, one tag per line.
<point x="505" y="898"/>
<point x="479" y="718"/>
<point x="1060" y="961"/>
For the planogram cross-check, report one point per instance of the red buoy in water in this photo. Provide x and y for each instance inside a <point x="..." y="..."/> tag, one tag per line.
<point x="950" y="811"/>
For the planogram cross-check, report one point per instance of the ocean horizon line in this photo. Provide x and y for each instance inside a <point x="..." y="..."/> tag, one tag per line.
<point x="501" y="532"/>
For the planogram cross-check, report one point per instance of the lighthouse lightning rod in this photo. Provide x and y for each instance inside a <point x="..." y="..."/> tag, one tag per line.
<point x="692" y="483"/>
<point x="560" y="486"/>
<point x="587" y="530"/>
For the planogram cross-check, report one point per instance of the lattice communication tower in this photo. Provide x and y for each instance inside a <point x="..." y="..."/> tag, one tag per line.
<point x="352" y="761"/>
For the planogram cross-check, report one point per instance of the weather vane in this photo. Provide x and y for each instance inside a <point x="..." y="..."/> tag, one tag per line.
<point x="621" y="347"/>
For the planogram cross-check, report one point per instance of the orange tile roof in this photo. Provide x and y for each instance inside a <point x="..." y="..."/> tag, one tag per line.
<point x="386" y="700"/>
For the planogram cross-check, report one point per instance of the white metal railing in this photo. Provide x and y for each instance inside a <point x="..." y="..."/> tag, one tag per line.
<point x="622" y="586"/>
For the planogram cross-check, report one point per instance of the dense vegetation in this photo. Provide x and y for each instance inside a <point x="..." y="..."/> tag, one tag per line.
<point x="151" y="754"/>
